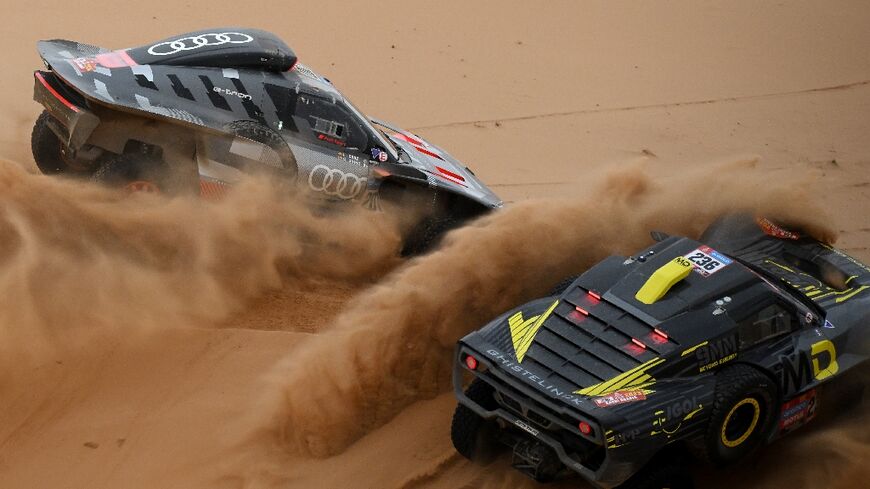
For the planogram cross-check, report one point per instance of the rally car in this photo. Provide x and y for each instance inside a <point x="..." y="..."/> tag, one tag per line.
<point x="192" y="113"/>
<point x="706" y="349"/>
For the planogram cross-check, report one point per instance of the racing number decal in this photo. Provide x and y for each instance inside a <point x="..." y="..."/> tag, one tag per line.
<point x="704" y="261"/>
<point x="707" y="261"/>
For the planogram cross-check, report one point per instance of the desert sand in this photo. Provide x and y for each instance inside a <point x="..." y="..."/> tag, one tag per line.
<point x="183" y="344"/>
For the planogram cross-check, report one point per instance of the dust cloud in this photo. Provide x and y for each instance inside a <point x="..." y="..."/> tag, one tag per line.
<point x="78" y="260"/>
<point x="393" y="345"/>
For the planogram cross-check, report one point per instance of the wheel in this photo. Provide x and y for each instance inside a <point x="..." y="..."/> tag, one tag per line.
<point x="472" y="436"/>
<point x="563" y="285"/>
<point x="427" y="234"/>
<point x="742" y="415"/>
<point x="255" y="131"/>
<point x="661" y="474"/>
<point x="134" y="173"/>
<point x="49" y="152"/>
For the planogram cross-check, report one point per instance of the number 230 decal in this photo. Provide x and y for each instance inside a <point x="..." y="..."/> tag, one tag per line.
<point x="707" y="261"/>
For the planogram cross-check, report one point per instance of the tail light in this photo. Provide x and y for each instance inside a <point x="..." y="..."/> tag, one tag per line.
<point x="585" y="428"/>
<point x="471" y="362"/>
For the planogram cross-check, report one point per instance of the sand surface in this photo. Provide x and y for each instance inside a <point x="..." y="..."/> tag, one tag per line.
<point x="148" y="344"/>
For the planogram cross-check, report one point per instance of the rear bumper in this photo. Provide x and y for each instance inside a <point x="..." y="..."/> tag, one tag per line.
<point x="544" y="425"/>
<point x="76" y="122"/>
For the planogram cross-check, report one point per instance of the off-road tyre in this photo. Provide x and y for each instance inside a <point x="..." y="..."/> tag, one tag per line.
<point x="133" y="172"/>
<point x="49" y="152"/>
<point x="474" y="437"/>
<point x="743" y="413"/>
<point x="255" y="131"/>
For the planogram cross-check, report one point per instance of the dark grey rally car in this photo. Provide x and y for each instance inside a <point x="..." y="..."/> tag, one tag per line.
<point x="194" y="112"/>
<point x="706" y="349"/>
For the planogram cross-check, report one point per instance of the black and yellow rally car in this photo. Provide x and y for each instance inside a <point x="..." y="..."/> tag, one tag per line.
<point x="710" y="348"/>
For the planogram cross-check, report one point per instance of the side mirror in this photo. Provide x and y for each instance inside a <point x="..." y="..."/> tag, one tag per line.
<point x="659" y="236"/>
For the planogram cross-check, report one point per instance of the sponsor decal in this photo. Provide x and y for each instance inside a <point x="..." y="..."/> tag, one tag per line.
<point x="113" y="59"/>
<point x="330" y="139"/>
<point x="800" y="368"/>
<point x="829" y="325"/>
<point x="616" y="440"/>
<point x="711" y="354"/>
<point x="620" y="397"/>
<point x="350" y="158"/>
<point x="379" y="154"/>
<point x="634" y="379"/>
<point x="233" y="93"/>
<point x="508" y="363"/>
<point x="525" y="427"/>
<point x="190" y="43"/>
<point x="84" y="64"/>
<point x="674" y="415"/>
<point x="798" y="411"/>
<point x="336" y="183"/>
<point x="707" y="261"/>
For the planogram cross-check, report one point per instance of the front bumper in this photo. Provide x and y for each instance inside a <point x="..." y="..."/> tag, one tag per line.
<point x="76" y="122"/>
<point x="541" y="421"/>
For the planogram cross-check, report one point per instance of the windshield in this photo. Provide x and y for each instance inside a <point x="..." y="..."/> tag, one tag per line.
<point x="377" y="133"/>
<point x="789" y="290"/>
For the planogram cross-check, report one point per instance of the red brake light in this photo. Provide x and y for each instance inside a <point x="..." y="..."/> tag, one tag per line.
<point x="658" y="337"/>
<point x="582" y="311"/>
<point x="471" y="362"/>
<point x="593" y="295"/>
<point x="638" y="343"/>
<point x="585" y="428"/>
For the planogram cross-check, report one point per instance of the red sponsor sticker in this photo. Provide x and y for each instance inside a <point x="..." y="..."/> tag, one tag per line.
<point x="798" y="411"/>
<point x="84" y="64"/>
<point x="620" y="397"/>
<point x="114" y="59"/>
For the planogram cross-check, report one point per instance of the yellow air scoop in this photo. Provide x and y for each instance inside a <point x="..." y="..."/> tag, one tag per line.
<point x="661" y="281"/>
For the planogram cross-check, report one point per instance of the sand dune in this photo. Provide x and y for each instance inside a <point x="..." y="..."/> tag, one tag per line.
<point x="154" y="344"/>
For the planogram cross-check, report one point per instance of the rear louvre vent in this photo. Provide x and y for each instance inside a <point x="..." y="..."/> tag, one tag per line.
<point x="587" y="341"/>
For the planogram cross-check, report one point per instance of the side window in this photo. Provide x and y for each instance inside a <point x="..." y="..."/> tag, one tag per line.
<point x="330" y="122"/>
<point x="771" y="321"/>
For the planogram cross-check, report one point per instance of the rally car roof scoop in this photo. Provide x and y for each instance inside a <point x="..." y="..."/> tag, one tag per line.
<point x="224" y="47"/>
<point x="661" y="281"/>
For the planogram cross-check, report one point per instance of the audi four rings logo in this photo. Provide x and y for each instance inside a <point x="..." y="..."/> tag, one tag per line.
<point x="335" y="182"/>
<point x="195" y="42"/>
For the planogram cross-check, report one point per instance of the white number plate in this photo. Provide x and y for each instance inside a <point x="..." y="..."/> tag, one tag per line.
<point x="707" y="261"/>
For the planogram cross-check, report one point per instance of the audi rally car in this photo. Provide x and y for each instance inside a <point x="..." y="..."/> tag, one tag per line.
<point x="712" y="347"/>
<point x="196" y="111"/>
